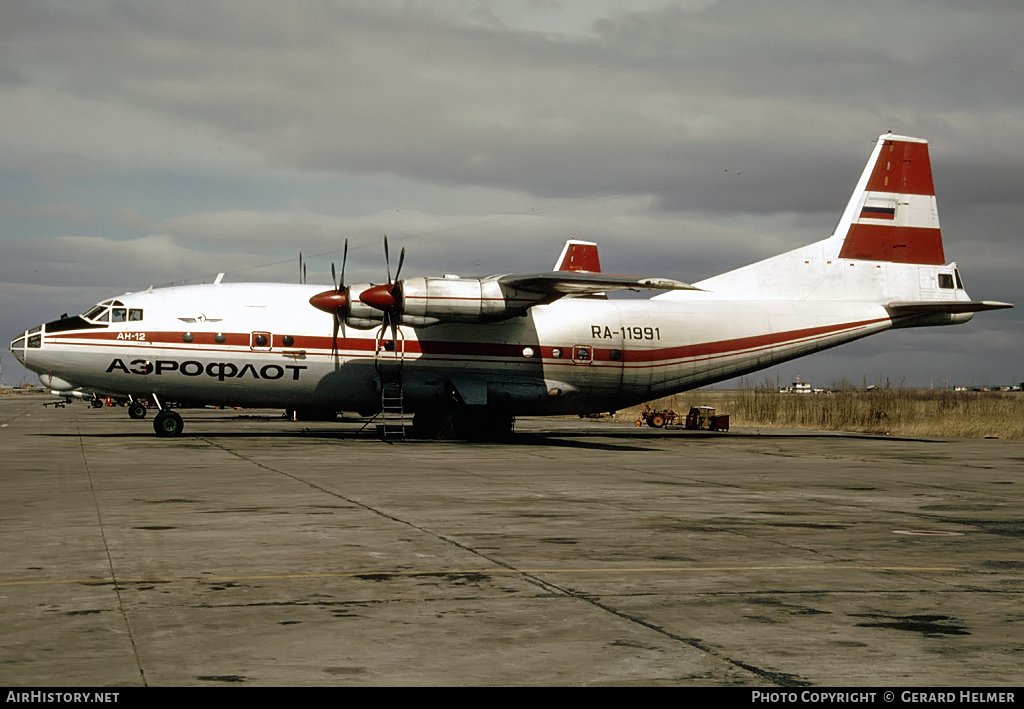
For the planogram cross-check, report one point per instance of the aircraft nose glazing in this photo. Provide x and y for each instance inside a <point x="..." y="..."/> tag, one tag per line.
<point x="30" y="339"/>
<point x="17" y="347"/>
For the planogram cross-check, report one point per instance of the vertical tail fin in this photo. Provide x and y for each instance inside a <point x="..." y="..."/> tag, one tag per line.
<point x="892" y="215"/>
<point x="578" y="256"/>
<point x="886" y="250"/>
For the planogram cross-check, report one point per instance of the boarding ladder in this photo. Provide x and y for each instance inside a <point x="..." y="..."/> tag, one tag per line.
<point x="388" y="360"/>
<point x="392" y="410"/>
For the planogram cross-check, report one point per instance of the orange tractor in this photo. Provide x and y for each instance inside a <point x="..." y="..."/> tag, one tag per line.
<point x="699" y="418"/>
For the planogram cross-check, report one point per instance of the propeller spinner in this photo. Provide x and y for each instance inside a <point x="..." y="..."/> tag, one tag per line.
<point x="334" y="301"/>
<point x="385" y="297"/>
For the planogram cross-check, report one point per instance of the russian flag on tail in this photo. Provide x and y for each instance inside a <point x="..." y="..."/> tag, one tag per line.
<point x="897" y="218"/>
<point x="878" y="213"/>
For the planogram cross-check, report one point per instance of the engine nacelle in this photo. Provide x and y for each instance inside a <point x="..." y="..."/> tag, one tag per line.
<point x="360" y="315"/>
<point x="426" y="301"/>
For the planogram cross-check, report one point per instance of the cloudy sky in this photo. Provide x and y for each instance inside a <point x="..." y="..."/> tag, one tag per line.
<point x="146" y="142"/>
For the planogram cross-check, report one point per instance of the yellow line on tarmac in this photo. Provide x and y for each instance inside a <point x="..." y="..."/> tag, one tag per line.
<point x="491" y="571"/>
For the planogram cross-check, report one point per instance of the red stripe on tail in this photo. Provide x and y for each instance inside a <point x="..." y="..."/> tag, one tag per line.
<point x="580" y="256"/>
<point x="899" y="189"/>
<point x="879" y="242"/>
<point x="903" y="168"/>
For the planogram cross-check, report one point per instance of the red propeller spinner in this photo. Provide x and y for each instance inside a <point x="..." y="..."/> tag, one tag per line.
<point x="330" y="301"/>
<point x="379" y="297"/>
<point x="334" y="301"/>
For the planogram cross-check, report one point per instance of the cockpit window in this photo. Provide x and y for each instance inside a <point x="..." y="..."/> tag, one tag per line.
<point x="95" y="312"/>
<point x="113" y="311"/>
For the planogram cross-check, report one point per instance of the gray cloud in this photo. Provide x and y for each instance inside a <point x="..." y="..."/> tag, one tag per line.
<point x="650" y="97"/>
<point x="149" y="141"/>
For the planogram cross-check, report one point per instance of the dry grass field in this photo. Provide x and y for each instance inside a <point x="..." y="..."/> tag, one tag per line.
<point x="908" y="412"/>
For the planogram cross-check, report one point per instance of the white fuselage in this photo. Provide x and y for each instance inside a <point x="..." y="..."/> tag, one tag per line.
<point x="263" y="345"/>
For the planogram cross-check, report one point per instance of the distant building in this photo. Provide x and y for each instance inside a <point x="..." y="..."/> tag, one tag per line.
<point x="799" y="387"/>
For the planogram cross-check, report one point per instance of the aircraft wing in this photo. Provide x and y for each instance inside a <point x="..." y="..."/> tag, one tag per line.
<point x="945" y="306"/>
<point x="562" y="283"/>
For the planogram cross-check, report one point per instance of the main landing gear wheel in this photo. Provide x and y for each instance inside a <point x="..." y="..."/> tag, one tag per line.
<point x="447" y="424"/>
<point x="168" y="423"/>
<point x="136" y="411"/>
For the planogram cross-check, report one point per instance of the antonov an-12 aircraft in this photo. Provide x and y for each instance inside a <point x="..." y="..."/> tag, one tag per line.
<point x="465" y="356"/>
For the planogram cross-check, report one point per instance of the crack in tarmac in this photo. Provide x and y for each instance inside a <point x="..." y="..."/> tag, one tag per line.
<point x="779" y="678"/>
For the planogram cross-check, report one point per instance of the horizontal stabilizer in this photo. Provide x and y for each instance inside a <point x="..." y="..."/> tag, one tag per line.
<point x="946" y="306"/>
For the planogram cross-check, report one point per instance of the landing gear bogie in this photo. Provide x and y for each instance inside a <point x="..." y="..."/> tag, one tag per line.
<point x="460" y="424"/>
<point x="168" y="424"/>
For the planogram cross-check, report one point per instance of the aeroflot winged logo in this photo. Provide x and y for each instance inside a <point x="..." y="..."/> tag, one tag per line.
<point x="217" y="370"/>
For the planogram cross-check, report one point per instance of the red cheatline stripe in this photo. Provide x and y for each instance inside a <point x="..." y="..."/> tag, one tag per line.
<point x="748" y="343"/>
<point x="512" y="352"/>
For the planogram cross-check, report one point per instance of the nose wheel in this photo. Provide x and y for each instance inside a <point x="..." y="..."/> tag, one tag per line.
<point x="136" y="411"/>
<point x="167" y="423"/>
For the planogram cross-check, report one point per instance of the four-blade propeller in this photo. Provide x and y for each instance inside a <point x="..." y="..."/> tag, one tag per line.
<point x="385" y="298"/>
<point x="335" y="301"/>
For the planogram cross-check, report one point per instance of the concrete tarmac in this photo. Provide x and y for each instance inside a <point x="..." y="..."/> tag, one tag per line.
<point x="254" y="551"/>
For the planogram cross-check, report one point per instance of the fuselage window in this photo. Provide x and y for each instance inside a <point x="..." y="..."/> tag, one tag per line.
<point x="959" y="283"/>
<point x="946" y="280"/>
